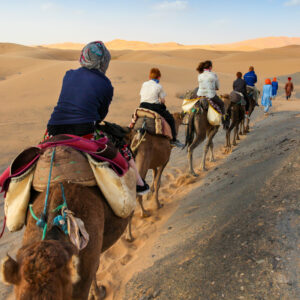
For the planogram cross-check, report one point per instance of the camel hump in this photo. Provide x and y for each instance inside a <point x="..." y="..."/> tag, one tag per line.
<point x="152" y="122"/>
<point x="70" y="165"/>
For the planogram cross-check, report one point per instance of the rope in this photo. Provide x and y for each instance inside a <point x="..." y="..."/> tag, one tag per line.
<point x="32" y="213"/>
<point x="134" y="148"/>
<point x="42" y="221"/>
<point x="61" y="220"/>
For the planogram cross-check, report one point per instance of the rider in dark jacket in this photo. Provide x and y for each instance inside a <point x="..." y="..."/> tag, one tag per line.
<point x="239" y="85"/>
<point x="251" y="79"/>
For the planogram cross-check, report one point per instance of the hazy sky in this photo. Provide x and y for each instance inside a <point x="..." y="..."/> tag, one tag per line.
<point x="183" y="21"/>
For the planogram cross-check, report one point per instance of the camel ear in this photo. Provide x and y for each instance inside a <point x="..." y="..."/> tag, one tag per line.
<point x="74" y="268"/>
<point x="10" y="271"/>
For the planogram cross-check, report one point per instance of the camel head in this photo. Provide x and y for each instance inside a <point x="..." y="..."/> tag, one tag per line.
<point x="43" y="270"/>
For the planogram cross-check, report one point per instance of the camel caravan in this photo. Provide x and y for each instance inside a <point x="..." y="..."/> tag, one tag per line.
<point x="76" y="191"/>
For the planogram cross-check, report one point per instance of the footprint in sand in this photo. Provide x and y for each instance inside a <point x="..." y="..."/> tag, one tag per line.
<point x="169" y="177"/>
<point x="125" y="259"/>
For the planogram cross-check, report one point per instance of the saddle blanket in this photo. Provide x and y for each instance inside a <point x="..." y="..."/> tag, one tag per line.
<point x="158" y="126"/>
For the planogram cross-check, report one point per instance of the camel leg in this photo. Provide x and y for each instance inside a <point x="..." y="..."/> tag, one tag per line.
<point x="247" y="126"/>
<point x="243" y="128"/>
<point x="150" y="194"/>
<point x="241" y="132"/>
<point x="157" y="184"/>
<point x="211" y="135"/>
<point x="235" y="134"/>
<point x="211" y="147"/>
<point x="143" y="167"/>
<point x="228" y="143"/>
<point x="145" y="213"/>
<point x="237" y="131"/>
<point x="97" y="293"/>
<point x="191" y="148"/>
<point x="129" y="237"/>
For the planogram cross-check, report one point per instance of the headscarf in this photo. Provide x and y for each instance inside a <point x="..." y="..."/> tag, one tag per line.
<point x="95" y="56"/>
<point x="289" y="78"/>
<point x="274" y="79"/>
<point x="268" y="81"/>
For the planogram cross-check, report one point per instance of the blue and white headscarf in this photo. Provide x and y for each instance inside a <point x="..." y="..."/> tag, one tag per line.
<point x="95" y="56"/>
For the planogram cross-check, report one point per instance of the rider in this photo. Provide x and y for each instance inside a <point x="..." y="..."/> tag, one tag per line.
<point x="240" y="86"/>
<point x="84" y="100"/>
<point x="251" y="79"/>
<point x="209" y="84"/>
<point x="153" y="98"/>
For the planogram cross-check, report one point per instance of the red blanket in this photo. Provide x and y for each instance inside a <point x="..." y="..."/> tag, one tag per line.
<point x="98" y="149"/>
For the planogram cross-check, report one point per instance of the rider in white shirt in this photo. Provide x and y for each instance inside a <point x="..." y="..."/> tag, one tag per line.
<point x="153" y="98"/>
<point x="209" y="84"/>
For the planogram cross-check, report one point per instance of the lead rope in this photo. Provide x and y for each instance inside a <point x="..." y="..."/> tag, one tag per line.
<point x="42" y="221"/>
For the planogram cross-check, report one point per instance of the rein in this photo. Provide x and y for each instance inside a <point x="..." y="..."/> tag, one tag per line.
<point x="60" y="220"/>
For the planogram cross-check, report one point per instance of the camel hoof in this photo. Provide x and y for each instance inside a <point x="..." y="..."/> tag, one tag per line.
<point x="102" y="292"/>
<point x="146" y="214"/>
<point x="98" y="293"/>
<point x="129" y="239"/>
<point x="194" y="174"/>
<point x="234" y="144"/>
<point x="227" y="150"/>
<point x="160" y="205"/>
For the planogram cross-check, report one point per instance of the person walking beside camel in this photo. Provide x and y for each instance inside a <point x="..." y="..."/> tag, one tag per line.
<point x="266" y="99"/>
<point x="274" y="87"/>
<point x="153" y="98"/>
<point x="289" y="87"/>
<point x="251" y="79"/>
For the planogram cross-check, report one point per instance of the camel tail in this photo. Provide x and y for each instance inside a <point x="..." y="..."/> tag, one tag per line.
<point x="190" y="130"/>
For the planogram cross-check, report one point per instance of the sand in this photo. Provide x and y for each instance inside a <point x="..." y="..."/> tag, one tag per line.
<point x="30" y="81"/>
<point x="248" y="45"/>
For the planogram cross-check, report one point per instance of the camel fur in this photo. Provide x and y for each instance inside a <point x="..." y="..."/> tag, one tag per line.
<point x="53" y="268"/>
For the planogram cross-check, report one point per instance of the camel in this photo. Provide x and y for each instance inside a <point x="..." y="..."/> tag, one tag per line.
<point x="153" y="152"/>
<point x="237" y="113"/>
<point x="198" y="130"/>
<point x="52" y="268"/>
<point x="252" y="105"/>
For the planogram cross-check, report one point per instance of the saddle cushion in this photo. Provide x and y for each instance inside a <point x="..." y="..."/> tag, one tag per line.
<point x="155" y="123"/>
<point x="17" y="199"/>
<point x="69" y="165"/>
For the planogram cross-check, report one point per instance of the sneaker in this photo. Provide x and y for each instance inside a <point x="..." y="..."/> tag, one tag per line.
<point x="142" y="190"/>
<point x="177" y="143"/>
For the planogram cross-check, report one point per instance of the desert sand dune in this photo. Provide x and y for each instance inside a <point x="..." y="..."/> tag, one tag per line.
<point x="30" y="82"/>
<point x="248" y="45"/>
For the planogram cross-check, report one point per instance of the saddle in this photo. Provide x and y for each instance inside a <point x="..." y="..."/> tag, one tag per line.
<point x="71" y="159"/>
<point x="151" y="121"/>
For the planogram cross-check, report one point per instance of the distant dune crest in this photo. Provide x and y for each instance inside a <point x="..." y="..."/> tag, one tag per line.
<point x="248" y="45"/>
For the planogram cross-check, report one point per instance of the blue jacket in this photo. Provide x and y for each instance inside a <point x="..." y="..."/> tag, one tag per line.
<point x="84" y="98"/>
<point x="250" y="78"/>
<point x="274" y="88"/>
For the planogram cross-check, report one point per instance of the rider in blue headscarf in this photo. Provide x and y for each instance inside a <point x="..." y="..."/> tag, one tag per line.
<point x="85" y="98"/>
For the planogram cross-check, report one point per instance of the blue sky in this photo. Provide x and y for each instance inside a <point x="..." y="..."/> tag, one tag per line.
<point x="32" y="22"/>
